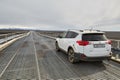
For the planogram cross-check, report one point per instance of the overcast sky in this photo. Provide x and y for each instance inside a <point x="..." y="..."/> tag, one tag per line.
<point x="60" y="14"/>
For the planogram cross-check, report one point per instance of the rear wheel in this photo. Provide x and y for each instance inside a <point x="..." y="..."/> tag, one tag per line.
<point x="71" y="56"/>
<point x="57" y="47"/>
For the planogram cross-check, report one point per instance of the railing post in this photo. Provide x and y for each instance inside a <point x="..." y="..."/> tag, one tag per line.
<point x="118" y="44"/>
<point x="117" y="56"/>
<point x="6" y="37"/>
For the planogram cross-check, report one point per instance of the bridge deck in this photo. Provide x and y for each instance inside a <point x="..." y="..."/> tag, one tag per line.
<point x="34" y="57"/>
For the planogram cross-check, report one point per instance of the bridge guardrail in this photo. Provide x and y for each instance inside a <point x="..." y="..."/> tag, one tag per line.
<point x="6" y="37"/>
<point x="12" y="39"/>
<point x="116" y="49"/>
<point x="115" y="43"/>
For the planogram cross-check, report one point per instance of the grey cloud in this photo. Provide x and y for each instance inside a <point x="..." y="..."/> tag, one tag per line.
<point x="29" y="12"/>
<point x="108" y="22"/>
<point x="59" y="13"/>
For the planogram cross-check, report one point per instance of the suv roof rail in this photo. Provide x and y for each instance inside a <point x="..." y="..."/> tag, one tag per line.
<point x="86" y="30"/>
<point x="93" y="30"/>
<point x="77" y="30"/>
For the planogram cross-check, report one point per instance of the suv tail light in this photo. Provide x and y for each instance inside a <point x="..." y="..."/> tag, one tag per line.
<point x="109" y="42"/>
<point x="82" y="43"/>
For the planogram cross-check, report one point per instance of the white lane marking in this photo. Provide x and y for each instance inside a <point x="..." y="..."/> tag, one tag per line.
<point x="9" y="62"/>
<point x="38" y="70"/>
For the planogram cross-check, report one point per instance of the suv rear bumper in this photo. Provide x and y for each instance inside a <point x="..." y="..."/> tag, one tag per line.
<point x="95" y="58"/>
<point x="80" y="56"/>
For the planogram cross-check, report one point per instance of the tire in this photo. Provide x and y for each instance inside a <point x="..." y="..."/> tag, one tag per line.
<point x="57" y="47"/>
<point x="71" y="56"/>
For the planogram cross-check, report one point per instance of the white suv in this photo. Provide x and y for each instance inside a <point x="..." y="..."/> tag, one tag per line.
<point x="87" y="45"/>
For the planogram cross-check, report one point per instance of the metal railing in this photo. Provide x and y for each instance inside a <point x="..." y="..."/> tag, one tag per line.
<point x="6" y="37"/>
<point x="115" y="43"/>
<point x="116" y="49"/>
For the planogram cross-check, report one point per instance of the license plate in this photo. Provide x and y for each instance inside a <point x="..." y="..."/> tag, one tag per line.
<point x="99" y="45"/>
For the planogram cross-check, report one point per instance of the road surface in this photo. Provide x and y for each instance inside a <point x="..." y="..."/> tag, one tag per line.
<point x="34" y="57"/>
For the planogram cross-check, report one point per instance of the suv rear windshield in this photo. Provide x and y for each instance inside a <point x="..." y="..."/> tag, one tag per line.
<point x="94" y="37"/>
